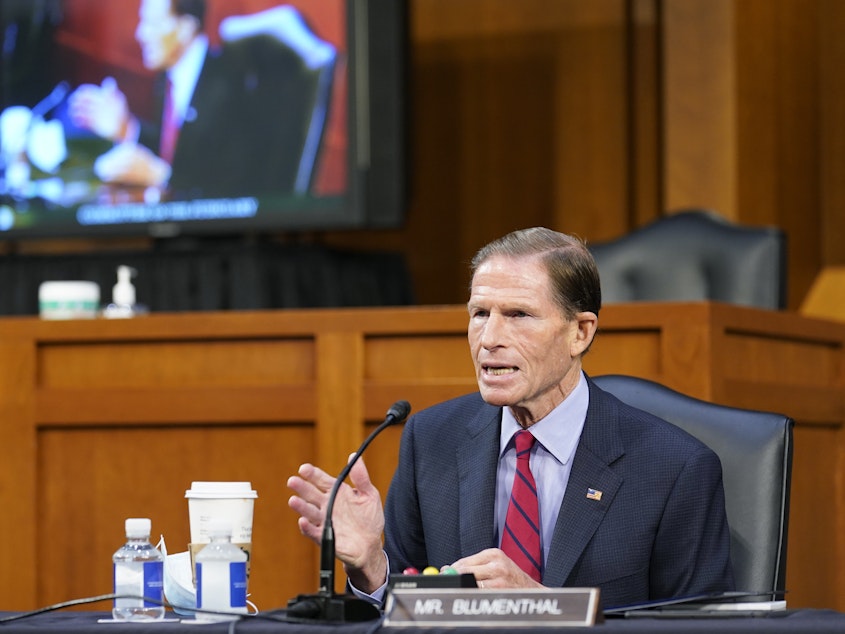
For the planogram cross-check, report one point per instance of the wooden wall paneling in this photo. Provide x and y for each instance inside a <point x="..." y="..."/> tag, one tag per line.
<point x="507" y="104"/>
<point x="208" y="385"/>
<point x="645" y="158"/>
<point x="799" y="132"/>
<point x="663" y="347"/>
<point x="699" y="105"/>
<point x="757" y="64"/>
<point x="592" y="132"/>
<point x="18" y="474"/>
<point x="811" y="522"/>
<point x="431" y="236"/>
<point x="340" y="407"/>
<point x="93" y="478"/>
<point x="831" y="52"/>
<point x="780" y="133"/>
<point x="187" y="409"/>
<point x="424" y="369"/>
<point x="338" y="429"/>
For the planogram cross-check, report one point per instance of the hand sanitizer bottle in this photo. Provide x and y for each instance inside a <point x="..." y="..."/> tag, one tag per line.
<point x="221" y="575"/>
<point x="123" y="296"/>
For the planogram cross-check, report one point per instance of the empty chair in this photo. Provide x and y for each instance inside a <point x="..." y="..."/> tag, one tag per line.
<point x="695" y="255"/>
<point x="755" y="449"/>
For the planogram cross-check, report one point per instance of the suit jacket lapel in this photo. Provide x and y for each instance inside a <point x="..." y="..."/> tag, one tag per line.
<point x="477" y="458"/>
<point x="579" y="515"/>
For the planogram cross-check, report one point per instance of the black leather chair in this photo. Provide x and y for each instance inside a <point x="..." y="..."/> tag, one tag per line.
<point x="695" y="255"/>
<point x="755" y="449"/>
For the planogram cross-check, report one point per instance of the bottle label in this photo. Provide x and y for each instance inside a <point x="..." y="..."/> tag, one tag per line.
<point x="222" y="585"/>
<point x="153" y="582"/>
<point x="237" y="574"/>
<point x="139" y="579"/>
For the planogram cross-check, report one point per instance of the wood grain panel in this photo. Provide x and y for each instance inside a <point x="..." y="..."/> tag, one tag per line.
<point x="419" y="394"/>
<point x="816" y="405"/>
<point x="699" y="105"/>
<point x="797" y="361"/>
<point x="810" y="522"/>
<point x="92" y="479"/>
<point x="638" y="350"/>
<point x="18" y="475"/>
<point x="418" y="358"/>
<point x="146" y="405"/>
<point x="208" y="364"/>
<point x="831" y="118"/>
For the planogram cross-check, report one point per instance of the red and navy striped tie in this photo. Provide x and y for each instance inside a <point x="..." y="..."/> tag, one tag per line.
<point x="521" y="538"/>
<point x="169" y="125"/>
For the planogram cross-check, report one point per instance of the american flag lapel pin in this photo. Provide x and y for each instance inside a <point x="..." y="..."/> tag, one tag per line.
<point x="593" y="494"/>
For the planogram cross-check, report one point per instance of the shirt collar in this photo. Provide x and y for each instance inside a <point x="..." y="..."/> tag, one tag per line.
<point x="560" y="430"/>
<point x="185" y="72"/>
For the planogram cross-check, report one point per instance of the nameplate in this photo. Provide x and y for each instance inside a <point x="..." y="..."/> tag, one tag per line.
<point x="554" y="607"/>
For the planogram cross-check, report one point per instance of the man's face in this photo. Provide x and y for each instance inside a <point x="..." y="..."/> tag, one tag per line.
<point x="158" y="34"/>
<point x="526" y="353"/>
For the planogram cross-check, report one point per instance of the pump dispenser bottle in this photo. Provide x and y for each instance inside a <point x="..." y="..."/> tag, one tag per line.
<point x="123" y="296"/>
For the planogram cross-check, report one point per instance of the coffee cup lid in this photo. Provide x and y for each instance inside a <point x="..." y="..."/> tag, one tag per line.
<point x="220" y="490"/>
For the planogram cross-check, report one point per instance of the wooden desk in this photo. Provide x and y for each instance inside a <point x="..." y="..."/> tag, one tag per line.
<point x="103" y="420"/>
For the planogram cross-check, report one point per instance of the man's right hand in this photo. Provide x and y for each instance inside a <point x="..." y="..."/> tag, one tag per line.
<point x="132" y="164"/>
<point x="101" y="109"/>
<point x="357" y="519"/>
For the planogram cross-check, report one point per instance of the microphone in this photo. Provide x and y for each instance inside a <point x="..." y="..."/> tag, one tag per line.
<point x="52" y="100"/>
<point x="325" y="605"/>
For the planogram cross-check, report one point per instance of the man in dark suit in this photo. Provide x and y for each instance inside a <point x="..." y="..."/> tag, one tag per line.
<point x="627" y="502"/>
<point x="226" y="121"/>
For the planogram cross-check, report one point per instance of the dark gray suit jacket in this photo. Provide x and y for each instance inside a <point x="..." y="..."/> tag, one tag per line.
<point x="246" y="123"/>
<point x="658" y="531"/>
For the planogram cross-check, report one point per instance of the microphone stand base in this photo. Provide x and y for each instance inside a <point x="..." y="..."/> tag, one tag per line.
<point x="331" y="608"/>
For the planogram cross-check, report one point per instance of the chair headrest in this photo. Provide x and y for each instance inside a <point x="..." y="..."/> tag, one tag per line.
<point x="695" y="255"/>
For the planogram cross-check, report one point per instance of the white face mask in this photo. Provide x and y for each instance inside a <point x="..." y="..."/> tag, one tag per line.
<point x="178" y="580"/>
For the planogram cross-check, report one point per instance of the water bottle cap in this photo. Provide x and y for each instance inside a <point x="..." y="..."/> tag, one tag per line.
<point x="138" y="527"/>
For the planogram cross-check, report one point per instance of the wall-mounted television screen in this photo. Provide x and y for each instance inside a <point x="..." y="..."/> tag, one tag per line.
<point x="190" y="117"/>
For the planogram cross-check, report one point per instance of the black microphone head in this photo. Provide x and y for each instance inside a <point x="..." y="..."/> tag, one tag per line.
<point x="399" y="411"/>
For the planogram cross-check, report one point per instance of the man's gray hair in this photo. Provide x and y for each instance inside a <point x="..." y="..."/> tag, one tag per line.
<point x="572" y="270"/>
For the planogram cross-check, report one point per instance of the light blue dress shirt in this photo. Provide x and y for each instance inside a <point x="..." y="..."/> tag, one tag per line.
<point x="557" y="437"/>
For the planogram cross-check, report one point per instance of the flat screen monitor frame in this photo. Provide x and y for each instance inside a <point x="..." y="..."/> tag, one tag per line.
<point x="368" y="124"/>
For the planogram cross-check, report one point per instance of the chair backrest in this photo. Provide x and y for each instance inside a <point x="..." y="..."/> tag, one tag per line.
<point x="755" y="449"/>
<point x="695" y="255"/>
<point x="285" y="26"/>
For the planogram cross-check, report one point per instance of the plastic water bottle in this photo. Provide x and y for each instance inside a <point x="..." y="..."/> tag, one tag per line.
<point x="221" y="575"/>
<point x="138" y="571"/>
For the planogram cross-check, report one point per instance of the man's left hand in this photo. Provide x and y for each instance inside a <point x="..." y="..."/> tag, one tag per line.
<point x="494" y="569"/>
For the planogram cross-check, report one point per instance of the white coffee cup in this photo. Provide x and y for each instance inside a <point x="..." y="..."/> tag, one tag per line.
<point x="234" y="501"/>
